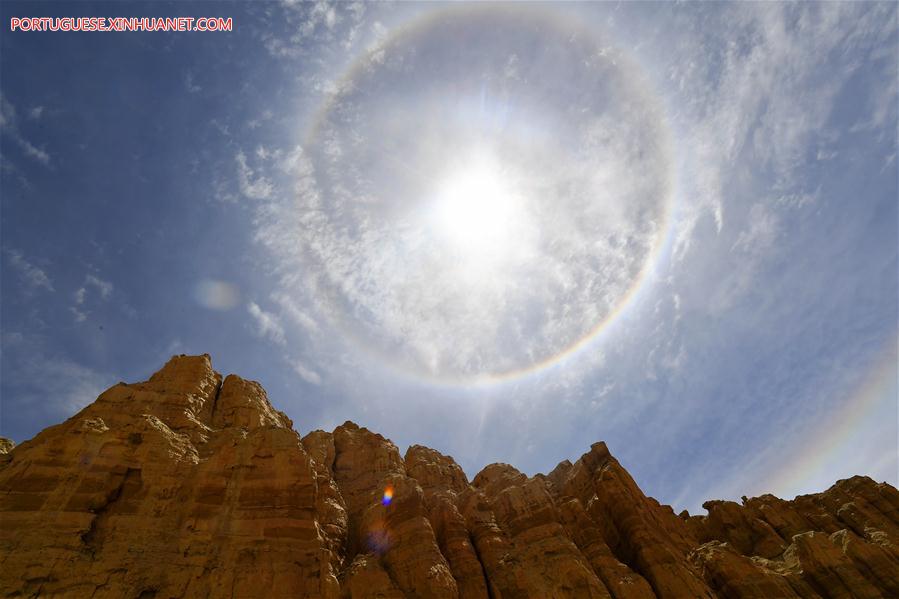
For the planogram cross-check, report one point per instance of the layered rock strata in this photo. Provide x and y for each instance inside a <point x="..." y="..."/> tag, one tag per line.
<point x="193" y="485"/>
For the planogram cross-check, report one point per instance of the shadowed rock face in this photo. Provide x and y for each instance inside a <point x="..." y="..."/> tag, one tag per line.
<point x="191" y="485"/>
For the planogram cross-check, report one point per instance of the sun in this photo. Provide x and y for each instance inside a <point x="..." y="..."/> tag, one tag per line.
<point x="477" y="211"/>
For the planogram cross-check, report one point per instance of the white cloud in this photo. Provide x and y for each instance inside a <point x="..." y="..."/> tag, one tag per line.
<point x="252" y="186"/>
<point x="267" y="324"/>
<point x="297" y="315"/>
<point x="34" y="152"/>
<point x="36" y="112"/>
<point x="798" y="200"/>
<point x="760" y="233"/>
<point x="8" y="122"/>
<point x="376" y="45"/>
<point x="321" y="26"/>
<point x="104" y="288"/>
<point x="190" y="84"/>
<point x="7" y="113"/>
<point x="306" y="373"/>
<point x="76" y="385"/>
<point x="33" y="276"/>
<point x="48" y="386"/>
<point x="754" y="91"/>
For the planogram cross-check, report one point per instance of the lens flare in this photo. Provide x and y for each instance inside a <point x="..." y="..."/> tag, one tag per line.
<point x="216" y="295"/>
<point x="388" y="495"/>
<point x="377" y="538"/>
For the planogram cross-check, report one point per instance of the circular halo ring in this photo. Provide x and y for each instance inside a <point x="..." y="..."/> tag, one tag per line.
<point x="421" y="23"/>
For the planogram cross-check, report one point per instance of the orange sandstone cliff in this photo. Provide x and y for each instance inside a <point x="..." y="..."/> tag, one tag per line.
<point x="191" y="485"/>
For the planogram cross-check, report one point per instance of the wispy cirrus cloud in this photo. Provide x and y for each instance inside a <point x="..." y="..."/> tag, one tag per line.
<point x="43" y="384"/>
<point x="33" y="277"/>
<point x="754" y="102"/>
<point x="99" y="286"/>
<point x="306" y="373"/>
<point x="267" y="324"/>
<point x="9" y="126"/>
<point x="253" y="186"/>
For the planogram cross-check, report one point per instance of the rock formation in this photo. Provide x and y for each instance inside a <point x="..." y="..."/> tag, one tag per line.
<point x="191" y="485"/>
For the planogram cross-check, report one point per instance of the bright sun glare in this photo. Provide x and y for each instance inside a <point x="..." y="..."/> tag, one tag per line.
<point x="476" y="211"/>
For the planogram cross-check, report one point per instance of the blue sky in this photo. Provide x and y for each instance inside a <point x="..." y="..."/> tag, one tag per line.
<point x="505" y="233"/>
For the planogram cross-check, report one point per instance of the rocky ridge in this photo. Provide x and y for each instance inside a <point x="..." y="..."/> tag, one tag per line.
<point x="193" y="485"/>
